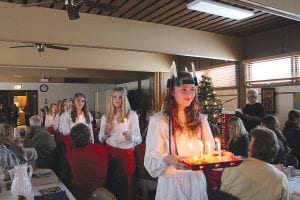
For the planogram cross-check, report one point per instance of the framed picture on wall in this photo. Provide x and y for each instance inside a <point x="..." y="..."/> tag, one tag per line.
<point x="268" y="99"/>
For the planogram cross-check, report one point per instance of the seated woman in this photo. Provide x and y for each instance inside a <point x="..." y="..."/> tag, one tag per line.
<point x="10" y="153"/>
<point x="239" y="139"/>
<point x="272" y="123"/>
<point x="291" y="131"/>
<point x="88" y="163"/>
<point x="255" y="177"/>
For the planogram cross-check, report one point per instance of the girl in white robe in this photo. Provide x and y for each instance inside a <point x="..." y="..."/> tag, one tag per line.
<point x="174" y="181"/>
<point x="78" y="114"/>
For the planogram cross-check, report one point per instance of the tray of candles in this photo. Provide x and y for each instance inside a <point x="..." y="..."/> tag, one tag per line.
<point x="211" y="161"/>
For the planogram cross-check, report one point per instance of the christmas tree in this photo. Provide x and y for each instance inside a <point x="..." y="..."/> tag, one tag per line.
<point x="209" y="101"/>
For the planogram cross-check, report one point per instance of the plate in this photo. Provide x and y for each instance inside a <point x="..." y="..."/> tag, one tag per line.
<point x="41" y="171"/>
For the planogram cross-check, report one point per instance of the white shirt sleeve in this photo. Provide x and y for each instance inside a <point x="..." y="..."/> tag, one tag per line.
<point x="135" y="128"/>
<point x="65" y="123"/>
<point x="47" y="121"/>
<point x="91" y="128"/>
<point x="156" y="146"/>
<point x="102" y="137"/>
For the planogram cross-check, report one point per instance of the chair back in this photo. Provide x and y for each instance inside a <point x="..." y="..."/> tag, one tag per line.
<point x="102" y="194"/>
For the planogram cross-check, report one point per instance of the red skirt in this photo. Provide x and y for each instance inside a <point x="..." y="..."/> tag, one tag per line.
<point x="122" y="170"/>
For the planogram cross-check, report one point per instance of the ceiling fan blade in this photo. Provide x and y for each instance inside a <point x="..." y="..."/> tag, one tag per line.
<point x="101" y="6"/>
<point x="40" y="3"/>
<point x="21" y="46"/>
<point x="57" y="47"/>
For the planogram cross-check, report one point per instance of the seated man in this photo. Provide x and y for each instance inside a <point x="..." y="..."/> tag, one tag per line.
<point x="88" y="163"/>
<point x="42" y="141"/>
<point x="255" y="177"/>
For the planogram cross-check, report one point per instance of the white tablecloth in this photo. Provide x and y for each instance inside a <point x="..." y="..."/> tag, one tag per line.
<point x="40" y="182"/>
<point x="294" y="186"/>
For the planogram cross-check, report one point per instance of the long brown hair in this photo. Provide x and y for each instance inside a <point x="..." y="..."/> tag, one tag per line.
<point x="192" y="112"/>
<point x="84" y="109"/>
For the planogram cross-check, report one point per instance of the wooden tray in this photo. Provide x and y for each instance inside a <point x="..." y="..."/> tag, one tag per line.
<point x="213" y="165"/>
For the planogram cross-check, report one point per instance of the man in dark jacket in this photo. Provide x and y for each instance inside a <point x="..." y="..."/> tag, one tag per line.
<point x="42" y="141"/>
<point x="291" y="131"/>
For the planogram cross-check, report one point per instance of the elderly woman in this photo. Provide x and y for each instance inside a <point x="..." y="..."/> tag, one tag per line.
<point x="88" y="163"/>
<point x="10" y="153"/>
<point x="255" y="177"/>
<point x="42" y="141"/>
<point x="253" y="111"/>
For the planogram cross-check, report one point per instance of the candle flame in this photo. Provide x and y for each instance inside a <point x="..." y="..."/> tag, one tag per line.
<point x="191" y="146"/>
<point x="217" y="140"/>
<point x="125" y="119"/>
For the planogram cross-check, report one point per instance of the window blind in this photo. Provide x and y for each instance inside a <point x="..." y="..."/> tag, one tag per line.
<point x="279" y="70"/>
<point x="222" y="77"/>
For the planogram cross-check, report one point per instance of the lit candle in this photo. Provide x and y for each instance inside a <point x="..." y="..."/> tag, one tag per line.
<point x="208" y="148"/>
<point x="201" y="149"/>
<point x="126" y="124"/>
<point x="218" y="146"/>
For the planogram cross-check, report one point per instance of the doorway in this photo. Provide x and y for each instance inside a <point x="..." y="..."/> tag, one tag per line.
<point x="20" y="98"/>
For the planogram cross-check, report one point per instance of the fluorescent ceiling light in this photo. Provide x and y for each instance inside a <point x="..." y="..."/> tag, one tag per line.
<point x="220" y="9"/>
<point x="30" y="67"/>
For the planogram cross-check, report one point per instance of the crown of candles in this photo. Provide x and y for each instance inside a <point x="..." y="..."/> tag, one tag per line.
<point x="173" y="77"/>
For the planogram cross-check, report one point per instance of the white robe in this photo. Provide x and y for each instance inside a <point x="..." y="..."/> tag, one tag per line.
<point x="173" y="183"/>
<point x="66" y="123"/>
<point x="116" y="138"/>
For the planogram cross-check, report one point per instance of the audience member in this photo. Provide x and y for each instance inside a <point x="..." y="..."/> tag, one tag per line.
<point x="255" y="177"/>
<point x="42" y="141"/>
<point x="239" y="139"/>
<point x="119" y="129"/>
<point x="88" y="163"/>
<point x="271" y="122"/>
<point x="253" y="111"/>
<point x="10" y="153"/>
<point x="28" y="112"/>
<point x="291" y="131"/>
<point x="14" y="114"/>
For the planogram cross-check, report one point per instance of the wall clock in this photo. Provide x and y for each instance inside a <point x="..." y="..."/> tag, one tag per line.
<point x="44" y="88"/>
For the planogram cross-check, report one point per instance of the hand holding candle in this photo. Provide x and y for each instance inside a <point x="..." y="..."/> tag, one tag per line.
<point x="127" y="132"/>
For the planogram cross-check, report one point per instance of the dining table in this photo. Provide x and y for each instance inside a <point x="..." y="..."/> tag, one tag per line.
<point x="294" y="185"/>
<point x="42" y="181"/>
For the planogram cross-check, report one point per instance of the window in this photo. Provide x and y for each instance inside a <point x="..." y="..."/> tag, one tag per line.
<point x="279" y="70"/>
<point x="222" y="77"/>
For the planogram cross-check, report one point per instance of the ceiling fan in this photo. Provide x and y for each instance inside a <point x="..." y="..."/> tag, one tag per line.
<point x="41" y="47"/>
<point x="72" y="6"/>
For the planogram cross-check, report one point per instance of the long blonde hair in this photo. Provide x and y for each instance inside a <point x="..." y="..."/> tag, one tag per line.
<point x="110" y="108"/>
<point x="240" y="129"/>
